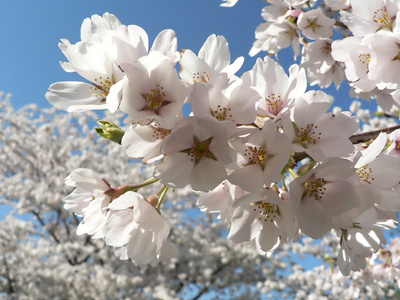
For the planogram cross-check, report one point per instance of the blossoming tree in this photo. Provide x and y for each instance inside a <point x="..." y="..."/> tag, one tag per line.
<point x="270" y="157"/>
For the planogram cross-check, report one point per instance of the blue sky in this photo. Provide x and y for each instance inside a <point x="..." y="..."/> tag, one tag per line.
<point x="31" y="31"/>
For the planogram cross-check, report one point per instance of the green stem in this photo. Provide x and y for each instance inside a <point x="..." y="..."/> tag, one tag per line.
<point x="144" y="183"/>
<point x="293" y="173"/>
<point x="114" y="193"/>
<point x="161" y="194"/>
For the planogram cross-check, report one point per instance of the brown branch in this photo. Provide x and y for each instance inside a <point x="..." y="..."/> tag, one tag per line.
<point x="207" y="286"/>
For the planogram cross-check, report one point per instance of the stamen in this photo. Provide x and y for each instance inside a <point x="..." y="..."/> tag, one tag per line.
<point x="204" y="77"/>
<point x="267" y="211"/>
<point x="200" y="150"/>
<point x="308" y="134"/>
<point x="364" y="173"/>
<point x="274" y="104"/>
<point x="382" y="17"/>
<point x="315" y="188"/>
<point x="101" y="87"/>
<point x="155" y="99"/>
<point x="222" y="113"/>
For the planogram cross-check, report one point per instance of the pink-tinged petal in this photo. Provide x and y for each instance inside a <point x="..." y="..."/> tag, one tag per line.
<point x="338" y="197"/>
<point x="167" y="43"/>
<point x="87" y="180"/>
<point x="215" y="52"/>
<point x="175" y="169"/>
<point x="140" y="248"/>
<point x="310" y="107"/>
<point x="269" y="238"/>
<point x="77" y="201"/>
<point x="248" y="177"/>
<point x="118" y="227"/>
<point x="335" y="168"/>
<point x="124" y="201"/>
<point x="340" y="124"/>
<point x="115" y="95"/>
<point x="130" y="43"/>
<point x="373" y="150"/>
<point x="207" y="174"/>
<point x="241" y="226"/>
<point x="74" y="97"/>
<point x="234" y="67"/>
<point x="312" y="218"/>
<point x="98" y="26"/>
<point x="146" y="215"/>
<point x="181" y="139"/>
<point x="385" y="171"/>
<point x="199" y="99"/>
<point x="142" y="142"/>
<point x="344" y="259"/>
<point x="193" y="69"/>
<point x="334" y="146"/>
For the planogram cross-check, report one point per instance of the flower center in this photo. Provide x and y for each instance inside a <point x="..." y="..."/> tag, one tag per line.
<point x="364" y="173"/>
<point x="222" y="113"/>
<point x="204" y="77"/>
<point x="155" y="99"/>
<point x="267" y="211"/>
<point x="256" y="155"/>
<point x="308" y="134"/>
<point x="274" y="104"/>
<point x="160" y="133"/>
<point x="101" y="87"/>
<point x="315" y="188"/>
<point x="313" y="24"/>
<point x="200" y="150"/>
<point x="382" y="17"/>
<point x="365" y="59"/>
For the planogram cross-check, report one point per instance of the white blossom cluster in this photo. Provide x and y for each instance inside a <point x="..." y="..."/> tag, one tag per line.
<point x="355" y="40"/>
<point x="263" y="153"/>
<point x="41" y="256"/>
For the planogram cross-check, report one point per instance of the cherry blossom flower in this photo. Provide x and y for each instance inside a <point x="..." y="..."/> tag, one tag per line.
<point x="144" y="141"/>
<point x="153" y="91"/>
<point x="264" y="153"/>
<point x="385" y="62"/>
<point x="213" y="60"/>
<point x="276" y="89"/>
<point x="356" y="55"/>
<point x="221" y="200"/>
<point x="381" y="172"/>
<point x="365" y="238"/>
<point x="233" y="101"/>
<point x="137" y="230"/>
<point x="321" y="68"/>
<point x="88" y="201"/>
<point x="195" y="153"/>
<point x="92" y="59"/>
<point x="131" y="43"/>
<point x="319" y="134"/>
<point x="314" y="24"/>
<point x="322" y="193"/>
<point x="272" y="37"/>
<point x="369" y="17"/>
<point x="263" y="217"/>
